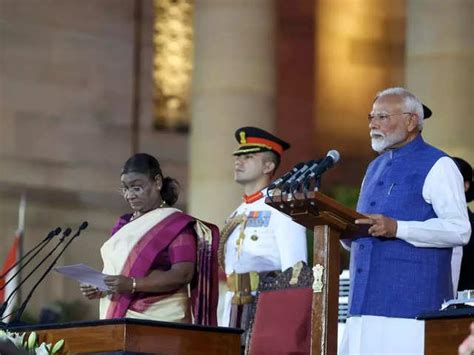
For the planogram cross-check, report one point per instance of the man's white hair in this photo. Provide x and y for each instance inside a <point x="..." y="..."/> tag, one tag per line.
<point x="411" y="103"/>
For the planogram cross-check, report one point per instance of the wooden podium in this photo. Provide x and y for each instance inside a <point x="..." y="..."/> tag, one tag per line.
<point x="134" y="336"/>
<point x="445" y="330"/>
<point x="331" y="222"/>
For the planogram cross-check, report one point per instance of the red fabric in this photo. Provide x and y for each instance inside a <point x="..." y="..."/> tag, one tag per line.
<point x="274" y="145"/>
<point x="282" y="322"/>
<point x="253" y="197"/>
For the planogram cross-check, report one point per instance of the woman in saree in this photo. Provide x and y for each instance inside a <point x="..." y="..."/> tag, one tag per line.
<point x="161" y="263"/>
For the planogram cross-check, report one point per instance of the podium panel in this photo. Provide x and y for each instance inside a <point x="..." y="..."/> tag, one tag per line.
<point x="121" y="336"/>
<point x="445" y="330"/>
<point x="443" y="336"/>
<point x="331" y="222"/>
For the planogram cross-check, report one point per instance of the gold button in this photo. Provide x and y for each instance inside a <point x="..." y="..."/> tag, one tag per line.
<point x="254" y="237"/>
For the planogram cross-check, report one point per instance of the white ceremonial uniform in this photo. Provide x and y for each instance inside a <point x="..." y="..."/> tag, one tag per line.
<point x="272" y="242"/>
<point x="443" y="189"/>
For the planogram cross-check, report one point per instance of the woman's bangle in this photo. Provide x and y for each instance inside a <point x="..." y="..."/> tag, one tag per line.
<point x="134" y="285"/>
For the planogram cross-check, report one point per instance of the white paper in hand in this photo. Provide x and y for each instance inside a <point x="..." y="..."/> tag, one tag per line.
<point x="84" y="274"/>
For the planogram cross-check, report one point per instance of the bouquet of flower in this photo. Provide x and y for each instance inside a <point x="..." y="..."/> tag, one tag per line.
<point x="15" y="344"/>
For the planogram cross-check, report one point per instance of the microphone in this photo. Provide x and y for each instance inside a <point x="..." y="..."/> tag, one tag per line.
<point x="332" y="157"/>
<point x="21" y="309"/>
<point x="303" y="176"/>
<point x="15" y="290"/>
<point x="286" y="176"/>
<point x="83" y="226"/>
<point x="40" y="245"/>
<point x="290" y="181"/>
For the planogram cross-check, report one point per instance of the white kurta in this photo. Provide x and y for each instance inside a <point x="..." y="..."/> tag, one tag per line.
<point x="443" y="189"/>
<point x="272" y="242"/>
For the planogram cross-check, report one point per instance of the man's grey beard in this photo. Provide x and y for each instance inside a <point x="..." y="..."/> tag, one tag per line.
<point x="380" y="141"/>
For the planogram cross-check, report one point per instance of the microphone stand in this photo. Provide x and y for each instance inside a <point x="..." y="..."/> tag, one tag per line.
<point x="5" y="304"/>
<point x="40" y="245"/>
<point x="21" y="309"/>
<point x="307" y="183"/>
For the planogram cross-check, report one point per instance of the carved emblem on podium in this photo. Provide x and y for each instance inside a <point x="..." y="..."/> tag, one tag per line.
<point x="318" y="270"/>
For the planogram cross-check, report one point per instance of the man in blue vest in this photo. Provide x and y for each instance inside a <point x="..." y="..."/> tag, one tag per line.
<point x="413" y="197"/>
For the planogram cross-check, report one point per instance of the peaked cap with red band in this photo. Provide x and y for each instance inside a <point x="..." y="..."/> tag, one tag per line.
<point x="254" y="140"/>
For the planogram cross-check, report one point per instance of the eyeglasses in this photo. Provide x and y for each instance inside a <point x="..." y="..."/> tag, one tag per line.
<point x="383" y="117"/>
<point x="136" y="190"/>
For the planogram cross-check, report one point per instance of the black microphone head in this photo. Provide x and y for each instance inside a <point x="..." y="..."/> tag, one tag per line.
<point x="299" y="165"/>
<point x="286" y="176"/>
<point x="334" y="154"/>
<point x="51" y="234"/>
<point x="54" y="233"/>
<point x="67" y="232"/>
<point x="83" y="225"/>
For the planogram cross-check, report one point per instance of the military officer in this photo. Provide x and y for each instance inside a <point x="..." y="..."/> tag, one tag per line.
<point x="256" y="237"/>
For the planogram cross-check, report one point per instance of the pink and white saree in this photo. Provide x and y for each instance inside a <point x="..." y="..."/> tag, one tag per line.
<point x="133" y="250"/>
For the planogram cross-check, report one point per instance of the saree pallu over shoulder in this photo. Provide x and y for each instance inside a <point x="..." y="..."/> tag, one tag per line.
<point x="204" y="288"/>
<point x="132" y="250"/>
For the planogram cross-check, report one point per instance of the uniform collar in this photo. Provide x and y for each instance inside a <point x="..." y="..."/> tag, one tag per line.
<point x="253" y="197"/>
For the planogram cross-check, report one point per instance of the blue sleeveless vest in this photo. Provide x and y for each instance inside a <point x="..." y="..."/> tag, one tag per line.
<point x="390" y="277"/>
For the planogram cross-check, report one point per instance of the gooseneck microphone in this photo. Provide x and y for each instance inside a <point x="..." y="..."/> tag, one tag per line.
<point x="15" y="290"/>
<point x="286" y="176"/>
<point x="293" y="177"/>
<point x="303" y="176"/>
<point x="332" y="157"/>
<point x="40" y="246"/>
<point x="303" y="172"/>
<point x="21" y="309"/>
<point x="315" y="171"/>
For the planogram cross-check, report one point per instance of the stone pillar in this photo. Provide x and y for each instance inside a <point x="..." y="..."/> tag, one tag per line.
<point x="233" y="86"/>
<point x="440" y="70"/>
<point x="359" y="51"/>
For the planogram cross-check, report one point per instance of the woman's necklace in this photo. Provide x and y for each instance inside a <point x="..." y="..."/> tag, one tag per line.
<point x="137" y="214"/>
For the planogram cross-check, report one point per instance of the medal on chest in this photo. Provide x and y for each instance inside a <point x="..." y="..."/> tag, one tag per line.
<point x="254" y="220"/>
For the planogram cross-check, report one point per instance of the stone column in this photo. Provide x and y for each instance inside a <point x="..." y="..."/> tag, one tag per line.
<point x="233" y="86"/>
<point x="440" y="70"/>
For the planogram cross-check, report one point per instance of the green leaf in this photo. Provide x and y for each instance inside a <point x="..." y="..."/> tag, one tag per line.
<point x="57" y="346"/>
<point x="31" y="341"/>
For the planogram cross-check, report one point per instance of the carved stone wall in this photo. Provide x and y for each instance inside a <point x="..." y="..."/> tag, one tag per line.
<point x="66" y="75"/>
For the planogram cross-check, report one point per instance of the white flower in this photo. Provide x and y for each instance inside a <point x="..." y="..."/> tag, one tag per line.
<point x="16" y="338"/>
<point x="31" y="344"/>
<point x="42" y="349"/>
